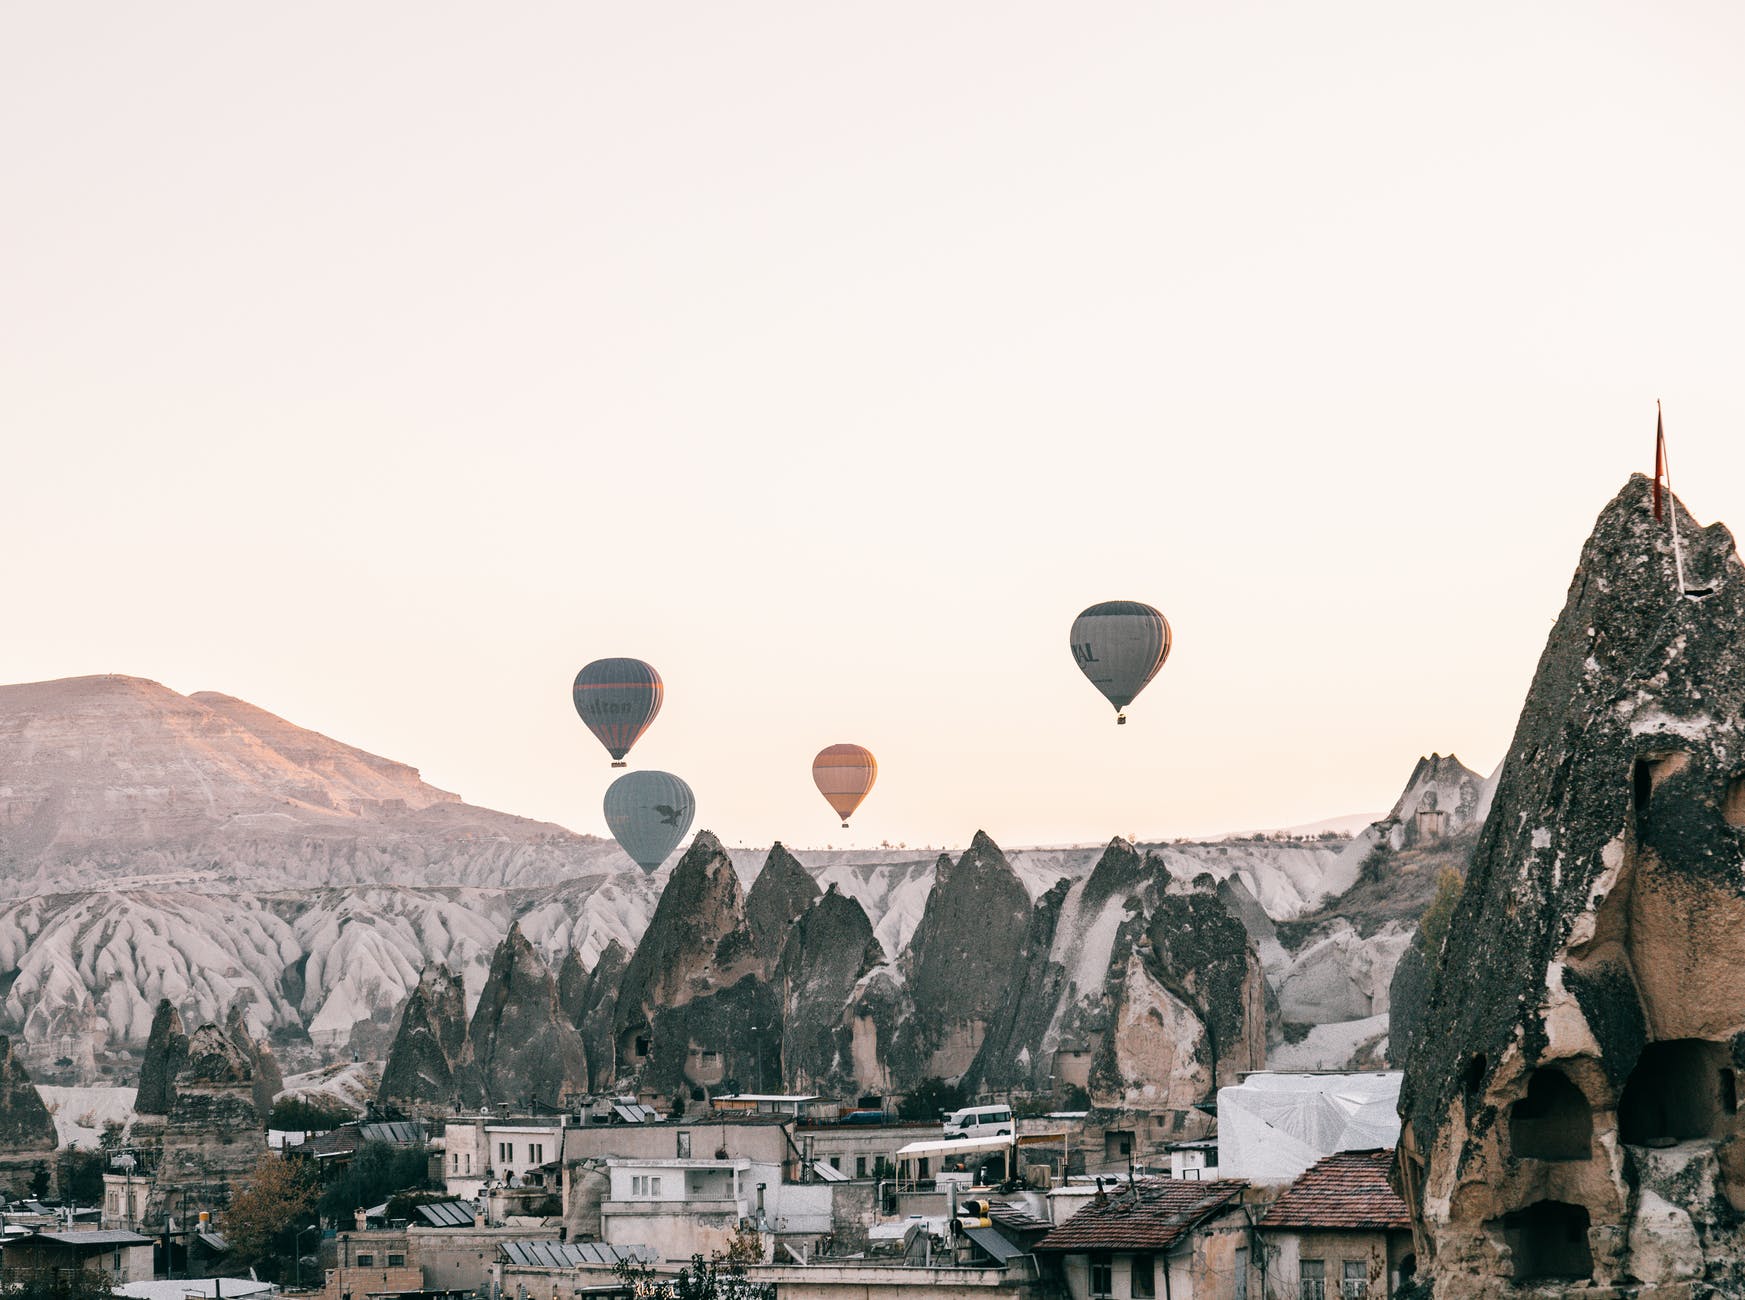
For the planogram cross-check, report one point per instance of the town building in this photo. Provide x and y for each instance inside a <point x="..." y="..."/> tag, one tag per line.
<point x="482" y="1148"/>
<point x="61" y="1257"/>
<point x="1175" y="1238"/>
<point x="1339" y="1232"/>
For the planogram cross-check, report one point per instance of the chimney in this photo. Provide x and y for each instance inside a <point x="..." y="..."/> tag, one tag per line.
<point x="361" y="1218"/>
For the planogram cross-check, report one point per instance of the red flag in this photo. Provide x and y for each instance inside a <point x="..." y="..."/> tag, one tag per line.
<point x="1659" y="457"/>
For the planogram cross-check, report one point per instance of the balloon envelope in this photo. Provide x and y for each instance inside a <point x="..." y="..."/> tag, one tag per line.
<point x="618" y="698"/>
<point x="844" y="774"/>
<point x="1119" y="645"/>
<point x="649" y="813"/>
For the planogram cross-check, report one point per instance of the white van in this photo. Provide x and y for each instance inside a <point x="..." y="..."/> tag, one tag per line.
<point x="979" y="1122"/>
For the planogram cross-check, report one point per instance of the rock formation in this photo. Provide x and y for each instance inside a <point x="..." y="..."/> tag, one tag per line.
<point x="959" y="962"/>
<point x="694" y="1012"/>
<point x="166" y="1051"/>
<point x="215" y="1131"/>
<point x="520" y="1047"/>
<point x="428" y="1067"/>
<point x="25" y="1124"/>
<point x="598" y="1005"/>
<point x="782" y="891"/>
<point x="1572" y="1096"/>
<point x="27" y="1130"/>
<point x="830" y="949"/>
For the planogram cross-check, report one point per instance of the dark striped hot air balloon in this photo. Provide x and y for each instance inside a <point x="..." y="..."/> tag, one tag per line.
<point x="618" y="698"/>
<point x="844" y="774"/>
<point x="649" y="813"/>
<point x="1120" y="645"/>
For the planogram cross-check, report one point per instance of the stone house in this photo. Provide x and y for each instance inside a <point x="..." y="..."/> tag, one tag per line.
<point x="119" y="1255"/>
<point x="1168" y="1237"/>
<point x="1340" y="1232"/>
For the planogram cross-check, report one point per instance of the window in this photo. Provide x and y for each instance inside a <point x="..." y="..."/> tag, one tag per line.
<point x="366" y="1261"/>
<point x="1102" y="1276"/>
<point x="642" y="1045"/>
<point x="836" y="1163"/>
<point x="860" y="1166"/>
<point x="1354" y="1285"/>
<point x="457" y="1162"/>
<point x="1242" y="1273"/>
<point x="638" y="1185"/>
<point x="506" y="1152"/>
<point x="684" y="1146"/>
<point x="118" y="1260"/>
<point x="469" y="1162"/>
<point x="1144" y="1277"/>
<point x="396" y="1261"/>
<point x="1312" y="1279"/>
<point x="536" y="1153"/>
<point x="654" y="1186"/>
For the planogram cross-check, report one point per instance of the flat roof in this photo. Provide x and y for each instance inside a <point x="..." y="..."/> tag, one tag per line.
<point x="658" y="1162"/>
<point x="770" y="1096"/>
<point x="96" y="1237"/>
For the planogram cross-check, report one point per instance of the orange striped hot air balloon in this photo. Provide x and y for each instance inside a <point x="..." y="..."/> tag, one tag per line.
<point x="844" y="774"/>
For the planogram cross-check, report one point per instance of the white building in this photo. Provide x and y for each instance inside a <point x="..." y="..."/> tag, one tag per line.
<point x="681" y="1208"/>
<point x="482" y="1149"/>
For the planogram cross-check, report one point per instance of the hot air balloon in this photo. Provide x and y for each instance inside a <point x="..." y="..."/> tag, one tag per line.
<point x="1120" y="645"/>
<point x="618" y="698"/>
<point x="649" y="813"/>
<point x="844" y="774"/>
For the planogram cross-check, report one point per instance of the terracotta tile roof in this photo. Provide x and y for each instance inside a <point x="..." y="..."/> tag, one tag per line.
<point x="1153" y="1215"/>
<point x="1348" y="1189"/>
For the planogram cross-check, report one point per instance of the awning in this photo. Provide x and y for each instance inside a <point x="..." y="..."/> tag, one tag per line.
<point x="951" y="1147"/>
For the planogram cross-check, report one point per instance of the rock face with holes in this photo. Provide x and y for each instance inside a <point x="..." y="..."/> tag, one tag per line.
<point x="1571" y="1097"/>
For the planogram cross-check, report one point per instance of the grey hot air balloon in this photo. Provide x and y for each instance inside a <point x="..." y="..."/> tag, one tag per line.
<point x="1120" y="645"/>
<point x="649" y="813"/>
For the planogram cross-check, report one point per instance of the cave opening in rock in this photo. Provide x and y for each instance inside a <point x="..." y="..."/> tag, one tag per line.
<point x="1553" y="1121"/>
<point x="1642" y="783"/>
<point x="1473" y="1075"/>
<point x="1548" y="1240"/>
<point x="1733" y="806"/>
<point x="1679" y="1090"/>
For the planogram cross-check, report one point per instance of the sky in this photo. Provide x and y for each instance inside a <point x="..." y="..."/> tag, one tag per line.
<point x="384" y="364"/>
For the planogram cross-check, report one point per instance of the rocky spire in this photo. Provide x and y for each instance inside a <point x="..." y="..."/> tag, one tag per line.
<point x="782" y="891"/>
<point x="829" y="949"/>
<point x="166" y="1050"/>
<point x="1571" y="1091"/>
<point x="959" y="962"/>
<point x="427" y="1067"/>
<point x="521" y="1045"/>
<point x="25" y="1124"/>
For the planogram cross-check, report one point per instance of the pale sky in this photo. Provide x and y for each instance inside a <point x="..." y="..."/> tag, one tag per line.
<point x="382" y="364"/>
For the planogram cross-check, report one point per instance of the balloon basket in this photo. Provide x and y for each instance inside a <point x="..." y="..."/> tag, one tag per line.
<point x="1120" y="719"/>
<point x="844" y="825"/>
<point x="620" y="763"/>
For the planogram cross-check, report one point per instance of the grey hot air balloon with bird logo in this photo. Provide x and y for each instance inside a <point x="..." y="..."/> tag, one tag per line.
<point x="1119" y="645"/>
<point x="649" y="813"/>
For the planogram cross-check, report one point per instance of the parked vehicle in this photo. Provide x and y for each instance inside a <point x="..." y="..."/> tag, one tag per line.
<point x="980" y="1122"/>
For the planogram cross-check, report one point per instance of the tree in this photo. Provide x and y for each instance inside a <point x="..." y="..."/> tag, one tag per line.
<point x="279" y="1199"/>
<point x="299" y="1115"/>
<point x="81" y="1176"/>
<point x="1433" y="925"/>
<point x="930" y="1099"/>
<point x="376" y="1172"/>
<point x="721" y="1277"/>
<point x="82" y="1285"/>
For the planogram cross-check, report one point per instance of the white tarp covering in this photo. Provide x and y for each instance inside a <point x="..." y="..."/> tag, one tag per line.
<point x="1271" y="1127"/>
<point x="951" y="1147"/>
